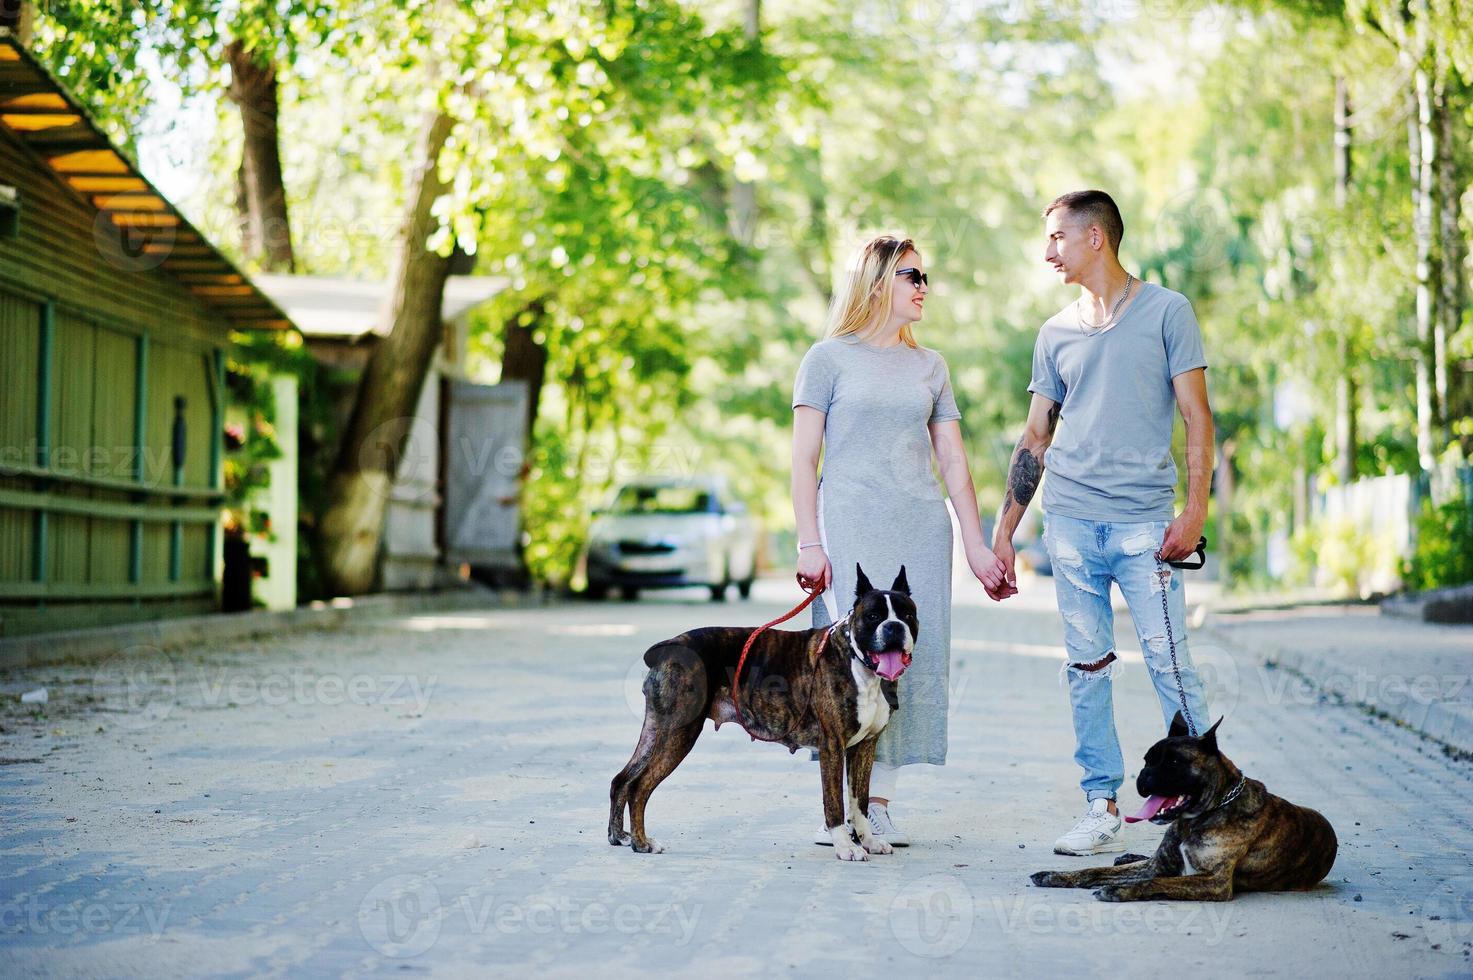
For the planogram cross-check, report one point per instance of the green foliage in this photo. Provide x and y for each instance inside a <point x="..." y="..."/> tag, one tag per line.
<point x="554" y="502"/>
<point x="250" y="443"/>
<point x="256" y="358"/>
<point x="597" y="148"/>
<point x="105" y="48"/>
<point x="1444" y="554"/>
<point x="1335" y="555"/>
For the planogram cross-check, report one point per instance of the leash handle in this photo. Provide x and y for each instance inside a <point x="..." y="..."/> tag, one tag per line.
<point x="1200" y="551"/>
<point x="736" y="698"/>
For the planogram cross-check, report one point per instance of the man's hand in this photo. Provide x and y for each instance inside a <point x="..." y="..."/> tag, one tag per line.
<point x="1182" y="536"/>
<point x="1002" y="549"/>
<point x="989" y="571"/>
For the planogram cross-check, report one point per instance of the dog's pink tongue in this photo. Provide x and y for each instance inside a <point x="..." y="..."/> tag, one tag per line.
<point x="1152" y="807"/>
<point x="892" y="664"/>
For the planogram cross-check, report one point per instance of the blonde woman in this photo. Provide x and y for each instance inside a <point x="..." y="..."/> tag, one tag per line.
<point x="877" y="404"/>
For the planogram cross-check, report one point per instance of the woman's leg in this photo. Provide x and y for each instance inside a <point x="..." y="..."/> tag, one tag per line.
<point x="881" y="790"/>
<point x="882" y="783"/>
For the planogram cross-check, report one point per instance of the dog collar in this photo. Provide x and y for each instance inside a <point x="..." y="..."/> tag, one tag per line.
<point x="1233" y="793"/>
<point x="854" y="652"/>
<point x="834" y="628"/>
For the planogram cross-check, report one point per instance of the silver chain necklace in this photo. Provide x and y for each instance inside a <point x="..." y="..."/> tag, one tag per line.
<point x="1095" y="328"/>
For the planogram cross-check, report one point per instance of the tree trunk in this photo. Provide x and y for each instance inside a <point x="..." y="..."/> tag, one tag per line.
<point x="20" y="17"/>
<point x="743" y="198"/>
<point x="1347" y="395"/>
<point x="1226" y="485"/>
<point x="1439" y="259"/>
<point x="524" y="359"/>
<point x="814" y="250"/>
<point x="1342" y="142"/>
<point x="1422" y="151"/>
<point x="368" y="459"/>
<point x="1451" y="248"/>
<point x="261" y="195"/>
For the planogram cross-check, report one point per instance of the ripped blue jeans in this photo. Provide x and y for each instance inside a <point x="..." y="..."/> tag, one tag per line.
<point x="1087" y="556"/>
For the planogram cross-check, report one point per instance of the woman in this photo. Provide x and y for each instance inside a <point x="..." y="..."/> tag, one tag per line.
<point x="878" y="403"/>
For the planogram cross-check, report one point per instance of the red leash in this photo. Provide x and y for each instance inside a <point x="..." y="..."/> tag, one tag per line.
<point x="736" y="698"/>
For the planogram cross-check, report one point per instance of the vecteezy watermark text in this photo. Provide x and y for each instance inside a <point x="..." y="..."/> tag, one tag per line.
<point x="402" y="917"/>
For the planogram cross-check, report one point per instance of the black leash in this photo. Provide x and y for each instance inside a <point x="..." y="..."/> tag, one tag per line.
<point x="1181" y="691"/>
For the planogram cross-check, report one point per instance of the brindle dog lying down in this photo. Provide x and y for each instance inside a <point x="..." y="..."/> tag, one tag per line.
<point x="1226" y="833"/>
<point x="830" y="689"/>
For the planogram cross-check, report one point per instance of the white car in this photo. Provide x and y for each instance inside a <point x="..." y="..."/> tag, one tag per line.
<point x="663" y="532"/>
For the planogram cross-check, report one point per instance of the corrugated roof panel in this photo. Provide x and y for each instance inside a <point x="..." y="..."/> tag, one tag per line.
<point x="127" y="219"/>
<point x="40" y="113"/>
<point x="35" y="122"/>
<point x="90" y="162"/>
<point x="87" y="185"/>
<point x="39" y="100"/>
<point x="207" y="279"/>
<point x="222" y="291"/>
<point x="130" y="202"/>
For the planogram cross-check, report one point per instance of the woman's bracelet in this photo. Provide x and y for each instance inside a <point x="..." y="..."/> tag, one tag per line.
<point x="809" y="544"/>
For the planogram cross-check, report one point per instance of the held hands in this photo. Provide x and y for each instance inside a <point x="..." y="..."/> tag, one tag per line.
<point x="992" y="571"/>
<point x="1182" y="536"/>
<point x="814" y="571"/>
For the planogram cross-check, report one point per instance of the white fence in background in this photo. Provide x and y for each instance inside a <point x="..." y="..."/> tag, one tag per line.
<point x="1378" y="517"/>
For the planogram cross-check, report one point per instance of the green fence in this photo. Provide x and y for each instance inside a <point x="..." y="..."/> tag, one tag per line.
<point x="109" y="458"/>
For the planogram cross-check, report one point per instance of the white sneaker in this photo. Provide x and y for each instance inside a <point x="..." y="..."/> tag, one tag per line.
<point x="1097" y="832"/>
<point x="884" y="828"/>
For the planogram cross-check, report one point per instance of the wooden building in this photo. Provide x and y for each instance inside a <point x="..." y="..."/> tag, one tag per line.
<point x="115" y="321"/>
<point x="454" y="502"/>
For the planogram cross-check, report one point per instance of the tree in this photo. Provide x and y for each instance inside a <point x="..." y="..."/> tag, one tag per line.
<point x="95" y="43"/>
<point x="261" y="194"/>
<point x="369" y="454"/>
<point x="568" y="166"/>
<point x="19" y="16"/>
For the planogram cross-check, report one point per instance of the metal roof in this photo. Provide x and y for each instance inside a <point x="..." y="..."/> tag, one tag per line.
<point x="47" y="119"/>
<point x="333" y="306"/>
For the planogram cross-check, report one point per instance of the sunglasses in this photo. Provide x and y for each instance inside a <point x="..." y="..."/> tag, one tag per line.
<point x="916" y="277"/>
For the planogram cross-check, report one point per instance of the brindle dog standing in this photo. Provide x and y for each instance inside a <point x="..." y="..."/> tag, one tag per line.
<point x="813" y="688"/>
<point x="1227" y="833"/>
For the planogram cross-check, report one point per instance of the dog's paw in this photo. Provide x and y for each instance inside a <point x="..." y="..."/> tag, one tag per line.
<point x="849" y="852"/>
<point x="875" y="845"/>
<point x="619" y="839"/>
<point x="1113" y="893"/>
<point x="1131" y="859"/>
<point x="1047" y="879"/>
<point x="649" y="846"/>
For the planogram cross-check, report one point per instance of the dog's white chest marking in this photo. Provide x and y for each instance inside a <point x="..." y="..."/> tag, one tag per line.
<point x="872" y="708"/>
<point x="1186" y="861"/>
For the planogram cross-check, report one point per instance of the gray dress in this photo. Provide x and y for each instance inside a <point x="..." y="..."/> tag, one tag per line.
<point x="881" y="505"/>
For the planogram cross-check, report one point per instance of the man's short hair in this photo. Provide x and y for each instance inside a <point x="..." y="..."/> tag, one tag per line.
<point x="1095" y="207"/>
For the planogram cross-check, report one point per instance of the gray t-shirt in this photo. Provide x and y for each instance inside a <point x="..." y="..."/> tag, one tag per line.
<point x="1111" y="456"/>
<point x="879" y="403"/>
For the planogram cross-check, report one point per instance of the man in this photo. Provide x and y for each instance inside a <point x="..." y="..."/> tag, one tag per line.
<point x="1106" y="371"/>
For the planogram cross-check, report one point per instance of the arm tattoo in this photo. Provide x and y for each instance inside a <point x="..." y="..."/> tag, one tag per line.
<point x="1053" y="417"/>
<point x="1023" y="476"/>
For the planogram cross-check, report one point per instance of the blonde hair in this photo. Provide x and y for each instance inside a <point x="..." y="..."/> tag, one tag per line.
<point x="865" y="297"/>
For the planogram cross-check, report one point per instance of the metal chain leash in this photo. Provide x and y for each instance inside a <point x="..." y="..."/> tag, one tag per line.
<point x="1181" y="691"/>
